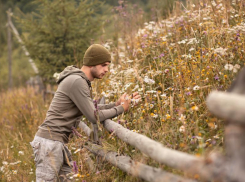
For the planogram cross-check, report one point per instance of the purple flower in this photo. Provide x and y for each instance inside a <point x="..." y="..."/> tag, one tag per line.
<point x="188" y="93"/>
<point x="75" y="168"/>
<point x="145" y="35"/>
<point x="161" y="55"/>
<point x="216" y="77"/>
<point x="213" y="142"/>
<point x="96" y="104"/>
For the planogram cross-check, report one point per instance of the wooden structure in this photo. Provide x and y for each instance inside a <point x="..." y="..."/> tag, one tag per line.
<point x="214" y="167"/>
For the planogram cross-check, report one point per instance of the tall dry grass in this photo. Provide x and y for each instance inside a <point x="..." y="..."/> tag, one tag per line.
<point x="173" y="64"/>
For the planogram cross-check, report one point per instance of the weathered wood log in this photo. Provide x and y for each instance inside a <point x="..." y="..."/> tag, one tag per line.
<point x="227" y="106"/>
<point x="209" y="168"/>
<point x="137" y="169"/>
<point x="230" y="106"/>
<point x="85" y="128"/>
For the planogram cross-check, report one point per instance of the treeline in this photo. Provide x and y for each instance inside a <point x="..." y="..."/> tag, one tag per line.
<point x="57" y="32"/>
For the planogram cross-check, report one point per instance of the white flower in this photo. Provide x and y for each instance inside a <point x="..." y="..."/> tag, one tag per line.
<point x="234" y="70"/>
<point x="5" y="163"/>
<point x="213" y="3"/>
<point x="148" y="80"/>
<point x="21" y="153"/>
<point x="78" y="150"/>
<point x="163" y="95"/>
<point x="237" y="66"/>
<point x="182" y="129"/>
<point x="192" y="41"/>
<point x="2" y="169"/>
<point x="220" y="51"/>
<point x="14" y="171"/>
<point x="216" y="137"/>
<point x="182" y="117"/>
<point x="56" y="76"/>
<point x="196" y="87"/>
<point x="191" y="49"/>
<point x="14" y="163"/>
<point x="229" y="67"/>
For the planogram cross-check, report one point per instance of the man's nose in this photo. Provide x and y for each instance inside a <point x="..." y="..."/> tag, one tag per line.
<point x="106" y="69"/>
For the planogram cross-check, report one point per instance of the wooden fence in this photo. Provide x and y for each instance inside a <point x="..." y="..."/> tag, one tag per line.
<point x="229" y="106"/>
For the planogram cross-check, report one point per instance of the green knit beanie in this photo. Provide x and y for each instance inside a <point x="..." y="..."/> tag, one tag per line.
<point x="96" y="54"/>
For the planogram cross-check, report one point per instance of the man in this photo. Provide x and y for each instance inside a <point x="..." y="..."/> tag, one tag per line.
<point x="71" y="101"/>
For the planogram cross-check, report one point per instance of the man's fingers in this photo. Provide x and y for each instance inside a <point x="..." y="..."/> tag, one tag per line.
<point x="135" y="93"/>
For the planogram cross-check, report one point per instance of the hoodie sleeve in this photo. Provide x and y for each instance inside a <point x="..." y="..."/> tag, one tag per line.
<point x="80" y="95"/>
<point x="106" y="106"/>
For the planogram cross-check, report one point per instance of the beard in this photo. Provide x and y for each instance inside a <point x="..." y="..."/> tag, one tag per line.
<point x="96" y="74"/>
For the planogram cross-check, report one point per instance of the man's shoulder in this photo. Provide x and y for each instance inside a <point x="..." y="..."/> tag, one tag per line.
<point x="74" y="78"/>
<point x="73" y="81"/>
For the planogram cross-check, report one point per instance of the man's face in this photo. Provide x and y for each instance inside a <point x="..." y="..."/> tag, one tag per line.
<point x="100" y="70"/>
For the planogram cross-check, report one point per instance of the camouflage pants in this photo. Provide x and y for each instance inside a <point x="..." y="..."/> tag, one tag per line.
<point x="52" y="159"/>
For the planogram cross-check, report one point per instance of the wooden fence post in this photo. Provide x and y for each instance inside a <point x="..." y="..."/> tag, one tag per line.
<point x="10" y="80"/>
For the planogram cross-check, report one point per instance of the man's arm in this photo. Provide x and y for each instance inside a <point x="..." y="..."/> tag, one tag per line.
<point x="80" y="95"/>
<point x="106" y="106"/>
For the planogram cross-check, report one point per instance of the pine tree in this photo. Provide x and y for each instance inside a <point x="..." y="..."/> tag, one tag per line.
<point x="59" y="33"/>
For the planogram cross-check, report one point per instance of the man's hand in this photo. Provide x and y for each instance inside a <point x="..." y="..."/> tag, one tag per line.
<point x="125" y="101"/>
<point x="135" y="98"/>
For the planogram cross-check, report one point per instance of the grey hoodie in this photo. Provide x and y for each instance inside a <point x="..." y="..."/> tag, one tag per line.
<point x="71" y="101"/>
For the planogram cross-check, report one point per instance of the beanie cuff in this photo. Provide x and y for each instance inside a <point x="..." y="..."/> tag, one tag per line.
<point x="93" y="61"/>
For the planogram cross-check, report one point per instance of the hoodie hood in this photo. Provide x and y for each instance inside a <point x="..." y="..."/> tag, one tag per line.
<point x="72" y="70"/>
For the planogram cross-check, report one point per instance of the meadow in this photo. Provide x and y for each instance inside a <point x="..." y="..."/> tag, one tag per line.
<point x="173" y="64"/>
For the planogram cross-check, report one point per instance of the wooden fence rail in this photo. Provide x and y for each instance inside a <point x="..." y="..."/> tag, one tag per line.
<point x="214" y="167"/>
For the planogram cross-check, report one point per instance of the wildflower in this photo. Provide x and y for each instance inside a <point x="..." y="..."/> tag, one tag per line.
<point x="14" y="163"/>
<point x="78" y="150"/>
<point x="14" y="171"/>
<point x="229" y="67"/>
<point x="188" y="93"/>
<point x="216" y="77"/>
<point x="5" y="163"/>
<point x="56" y="76"/>
<point x="196" y="87"/>
<point x="168" y="116"/>
<point x="2" y="169"/>
<point x="148" y="80"/>
<point x="213" y="3"/>
<point x="163" y="95"/>
<point x="155" y="116"/>
<point x="237" y="66"/>
<point x="194" y="108"/>
<point x="182" y="129"/>
<point x="220" y="51"/>
<point x="191" y="49"/>
<point x="161" y="55"/>
<point x="151" y="106"/>
<point x="21" y="153"/>
<point x="182" y="117"/>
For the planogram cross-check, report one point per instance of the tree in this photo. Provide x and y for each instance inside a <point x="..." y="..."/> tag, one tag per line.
<point x="58" y="34"/>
